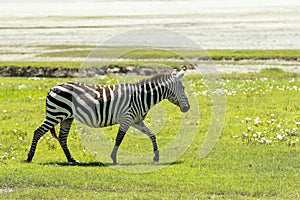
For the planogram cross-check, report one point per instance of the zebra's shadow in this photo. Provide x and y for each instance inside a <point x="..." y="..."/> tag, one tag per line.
<point x="83" y="164"/>
<point x="150" y="163"/>
<point x="100" y="164"/>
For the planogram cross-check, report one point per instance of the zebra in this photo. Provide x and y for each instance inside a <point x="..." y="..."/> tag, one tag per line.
<point x="100" y="106"/>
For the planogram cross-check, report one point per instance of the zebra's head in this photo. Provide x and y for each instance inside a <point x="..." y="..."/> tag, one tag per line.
<point x="177" y="94"/>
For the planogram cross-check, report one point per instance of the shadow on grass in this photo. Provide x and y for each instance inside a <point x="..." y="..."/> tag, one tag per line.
<point x="151" y="163"/>
<point x="100" y="164"/>
<point x="87" y="164"/>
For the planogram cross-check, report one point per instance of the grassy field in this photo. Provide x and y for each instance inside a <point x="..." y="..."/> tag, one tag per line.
<point x="156" y="58"/>
<point x="257" y="155"/>
<point x="170" y="58"/>
<point x="214" y="54"/>
<point x="55" y="64"/>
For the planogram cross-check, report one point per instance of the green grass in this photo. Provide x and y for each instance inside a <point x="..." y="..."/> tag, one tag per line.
<point x="165" y="58"/>
<point x="55" y="64"/>
<point x="239" y="167"/>
<point x="77" y="65"/>
<point x="66" y="46"/>
<point x="178" y="54"/>
<point x="254" y="54"/>
<point x="270" y="73"/>
<point x="66" y="53"/>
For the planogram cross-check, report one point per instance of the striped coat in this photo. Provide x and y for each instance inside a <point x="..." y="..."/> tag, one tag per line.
<point x="100" y="106"/>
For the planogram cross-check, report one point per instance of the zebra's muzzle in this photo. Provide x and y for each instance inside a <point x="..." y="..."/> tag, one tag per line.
<point x="185" y="108"/>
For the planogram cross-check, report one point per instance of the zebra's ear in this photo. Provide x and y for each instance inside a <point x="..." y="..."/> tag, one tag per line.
<point x="174" y="72"/>
<point x="180" y="74"/>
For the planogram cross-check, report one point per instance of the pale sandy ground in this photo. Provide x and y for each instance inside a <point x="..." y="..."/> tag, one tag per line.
<point x="25" y="28"/>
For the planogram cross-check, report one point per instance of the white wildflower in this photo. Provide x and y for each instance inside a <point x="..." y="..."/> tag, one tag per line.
<point x="295" y="87"/>
<point x="195" y="94"/>
<point x="292" y="80"/>
<point x="279" y="137"/>
<point x="258" y="134"/>
<point x="247" y="119"/>
<point x="257" y="121"/>
<point x="250" y="129"/>
<point x="204" y="93"/>
<point x="35" y="78"/>
<point x="278" y="125"/>
<point x="294" y="130"/>
<point x="262" y="140"/>
<point x="22" y="86"/>
<point x="268" y="141"/>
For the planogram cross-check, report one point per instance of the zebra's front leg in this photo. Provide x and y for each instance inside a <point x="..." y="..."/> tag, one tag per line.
<point x="141" y="126"/>
<point x="121" y="133"/>
<point x="113" y="154"/>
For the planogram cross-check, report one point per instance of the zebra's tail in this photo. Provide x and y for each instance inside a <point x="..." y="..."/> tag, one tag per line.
<point x="53" y="133"/>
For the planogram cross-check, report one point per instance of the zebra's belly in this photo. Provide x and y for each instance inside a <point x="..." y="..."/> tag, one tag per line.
<point x="94" y="119"/>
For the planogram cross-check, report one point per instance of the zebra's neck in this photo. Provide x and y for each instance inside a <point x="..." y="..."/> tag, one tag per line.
<point x="152" y="91"/>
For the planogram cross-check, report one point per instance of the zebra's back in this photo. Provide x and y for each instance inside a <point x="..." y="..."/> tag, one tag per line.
<point x="93" y="105"/>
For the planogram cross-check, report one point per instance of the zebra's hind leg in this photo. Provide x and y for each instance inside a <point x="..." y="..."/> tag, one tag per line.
<point x="63" y="136"/>
<point x="38" y="133"/>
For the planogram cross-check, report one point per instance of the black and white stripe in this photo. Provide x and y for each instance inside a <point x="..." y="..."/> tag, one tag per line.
<point x="100" y="106"/>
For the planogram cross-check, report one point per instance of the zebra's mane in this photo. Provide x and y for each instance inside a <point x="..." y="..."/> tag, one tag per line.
<point x="155" y="78"/>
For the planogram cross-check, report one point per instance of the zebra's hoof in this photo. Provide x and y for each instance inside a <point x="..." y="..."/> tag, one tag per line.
<point x="156" y="157"/>
<point x="115" y="163"/>
<point x="72" y="160"/>
<point x="114" y="158"/>
<point x="27" y="161"/>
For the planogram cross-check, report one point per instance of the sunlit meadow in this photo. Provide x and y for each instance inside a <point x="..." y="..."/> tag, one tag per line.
<point x="257" y="155"/>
